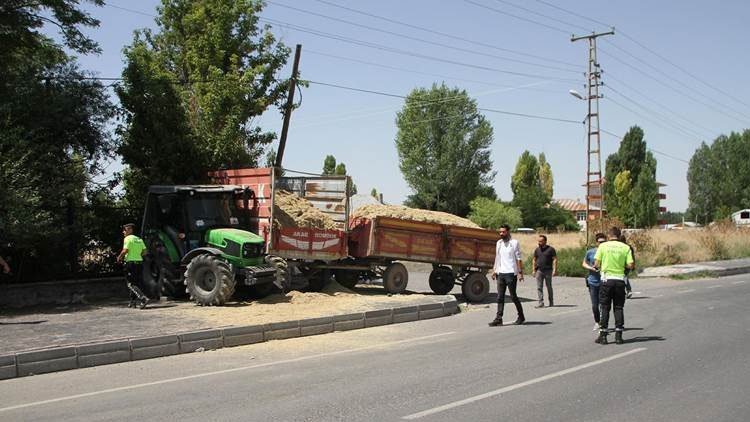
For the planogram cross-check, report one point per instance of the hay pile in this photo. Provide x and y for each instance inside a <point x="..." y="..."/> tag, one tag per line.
<point x="414" y="214"/>
<point x="292" y="211"/>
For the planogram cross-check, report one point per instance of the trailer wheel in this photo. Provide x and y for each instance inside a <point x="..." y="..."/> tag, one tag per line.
<point x="395" y="278"/>
<point x="347" y="278"/>
<point x="441" y="281"/>
<point x="209" y="280"/>
<point x="475" y="287"/>
<point x="259" y="291"/>
<point x="318" y="281"/>
<point x="282" y="281"/>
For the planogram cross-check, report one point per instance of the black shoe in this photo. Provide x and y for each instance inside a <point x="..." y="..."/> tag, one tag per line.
<point x="618" y="337"/>
<point x="131" y="304"/>
<point x="497" y="322"/>
<point x="143" y="303"/>
<point x="519" y="321"/>
<point x="602" y="339"/>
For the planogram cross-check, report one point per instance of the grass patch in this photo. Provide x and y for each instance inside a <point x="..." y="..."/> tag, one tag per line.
<point x="693" y="276"/>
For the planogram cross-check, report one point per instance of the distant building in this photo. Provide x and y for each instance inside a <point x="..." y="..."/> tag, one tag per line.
<point x="662" y="196"/>
<point x="578" y="210"/>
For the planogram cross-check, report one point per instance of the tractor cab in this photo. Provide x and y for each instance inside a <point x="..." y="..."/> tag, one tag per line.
<point x="198" y="236"/>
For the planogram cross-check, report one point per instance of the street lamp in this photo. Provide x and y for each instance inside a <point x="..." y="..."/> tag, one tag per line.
<point x="576" y="94"/>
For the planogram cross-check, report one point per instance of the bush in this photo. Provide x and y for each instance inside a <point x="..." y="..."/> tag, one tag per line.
<point x="641" y="241"/>
<point x="490" y="214"/>
<point x="668" y="255"/>
<point x="568" y="262"/>
<point x="716" y="247"/>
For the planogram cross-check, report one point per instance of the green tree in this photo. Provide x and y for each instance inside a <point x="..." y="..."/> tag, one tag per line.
<point x="340" y="169"/>
<point x="491" y="214"/>
<point x="546" y="179"/>
<point x="443" y="148"/>
<point x="193" y="88"/>
<point x="641" y="207"/>
<point x="53" y="135"/>
<point x="719" y="177"/>
<point x="329" y="165"/>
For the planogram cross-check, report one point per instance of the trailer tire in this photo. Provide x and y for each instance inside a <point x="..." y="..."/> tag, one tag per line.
<point x="441" y="281"/>
<point x="395" y="278"/>
<point x="282" y="281"/>
<point x="475" y="287"/>
<point x="259" y="291"/>
<point x="347" y="278"/>
<point x="209" y="280"/>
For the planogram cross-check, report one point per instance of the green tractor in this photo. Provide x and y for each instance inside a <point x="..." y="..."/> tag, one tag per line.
<point x="198" y="246"/>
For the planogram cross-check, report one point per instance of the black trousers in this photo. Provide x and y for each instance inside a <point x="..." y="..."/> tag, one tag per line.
<point x="509" y="282"/>
<point x="612" y="295"/>
<point x="134" y="278"/>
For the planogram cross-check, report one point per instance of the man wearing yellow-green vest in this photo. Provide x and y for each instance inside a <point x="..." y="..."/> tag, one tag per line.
<point x="612" y="258"/>
<point x="132" y="253"/>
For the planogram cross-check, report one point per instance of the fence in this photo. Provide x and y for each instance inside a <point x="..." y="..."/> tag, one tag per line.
<point x="83" y="242"/>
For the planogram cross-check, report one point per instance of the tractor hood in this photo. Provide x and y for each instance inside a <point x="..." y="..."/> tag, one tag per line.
<point x="219" y="237"/>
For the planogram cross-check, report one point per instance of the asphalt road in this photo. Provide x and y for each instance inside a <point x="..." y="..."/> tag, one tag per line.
<point x="685" y="358"/>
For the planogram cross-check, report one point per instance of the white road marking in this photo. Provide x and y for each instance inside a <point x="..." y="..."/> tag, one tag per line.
<point x="566" y="312"/>
<point x="686" y="291"/>
<point x="225" y="371"/>
<point x="739" y="282"/>
<point x="519" y="385"/>
<point x="714" y="287"/>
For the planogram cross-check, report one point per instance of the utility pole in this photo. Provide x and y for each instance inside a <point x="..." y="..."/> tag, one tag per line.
<point x="289" y="105"/>
<point x="594" y="180"/>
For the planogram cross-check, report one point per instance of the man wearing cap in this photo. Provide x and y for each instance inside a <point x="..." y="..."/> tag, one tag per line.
<point x="132" y="253"/>
<point x="612" y="258"/>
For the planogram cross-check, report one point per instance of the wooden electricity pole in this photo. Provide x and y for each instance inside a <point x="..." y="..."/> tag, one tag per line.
<point x="594" y="180"/>
<point x="289" y="106"/>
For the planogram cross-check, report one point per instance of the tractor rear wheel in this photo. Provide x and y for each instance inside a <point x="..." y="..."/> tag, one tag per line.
<point x="441" y="281"/>
<point x="475" y="287"/>
<point x="395" y="278"/>
<point x="209" y="280"/>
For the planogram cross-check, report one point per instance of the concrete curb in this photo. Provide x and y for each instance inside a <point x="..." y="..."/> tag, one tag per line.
<point x="35" y="362"/>
<point x="706" y="269"/>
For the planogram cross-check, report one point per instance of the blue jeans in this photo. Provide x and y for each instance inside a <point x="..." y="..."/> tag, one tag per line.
<point x="594" y="293"/>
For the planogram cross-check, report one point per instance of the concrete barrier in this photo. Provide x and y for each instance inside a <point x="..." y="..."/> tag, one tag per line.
<point x="87" y="355"/>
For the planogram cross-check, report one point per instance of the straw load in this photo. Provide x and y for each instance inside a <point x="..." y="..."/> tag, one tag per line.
<point x="414" y="214"/>
<point x="291" y="210"/>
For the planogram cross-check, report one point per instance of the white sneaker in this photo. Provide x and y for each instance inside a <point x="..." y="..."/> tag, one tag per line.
<point x="596" y="327"/>
<point x="629" y="295"/>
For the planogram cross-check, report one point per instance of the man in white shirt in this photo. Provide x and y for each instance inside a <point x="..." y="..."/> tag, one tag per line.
<point x="508" y="270"/>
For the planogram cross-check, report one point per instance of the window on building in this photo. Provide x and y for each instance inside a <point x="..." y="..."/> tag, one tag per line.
<point x="581" y="216"/>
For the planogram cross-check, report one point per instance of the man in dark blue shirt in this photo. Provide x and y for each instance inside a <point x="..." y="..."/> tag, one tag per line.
<point x="594" y="279"/>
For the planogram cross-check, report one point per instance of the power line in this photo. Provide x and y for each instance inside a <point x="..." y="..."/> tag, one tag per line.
<point x="408" y="53"/>
<point x="401" y="69"/>
<point x="465" y="50"/>
<point x="652" y="120"/>
<point x="447" y="35"/>
<point x="510" y="113"/>
<point x="502" y="12"/>
<point x="683" y="129"/>
<point x="645" y="47"/>
<point x="660" y="82"/>
<point x="684" y="71"/>
<point x="672" y="78"/>
<point x="533" y="12"/>
<point x="658" y="104"/>
<point x="619" y="138"/>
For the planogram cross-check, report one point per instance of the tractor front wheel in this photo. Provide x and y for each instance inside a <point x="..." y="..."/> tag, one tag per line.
<point x="209" y="280"/>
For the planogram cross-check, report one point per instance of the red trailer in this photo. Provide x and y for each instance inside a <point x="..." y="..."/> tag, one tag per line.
<point x="459" y="255"/>
<point x="360" y="248"/>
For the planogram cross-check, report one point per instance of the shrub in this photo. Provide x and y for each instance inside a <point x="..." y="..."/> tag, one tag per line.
<point x="716" y="247"/>
<point x="568" y="262"/>
<point x="668" y="255"/>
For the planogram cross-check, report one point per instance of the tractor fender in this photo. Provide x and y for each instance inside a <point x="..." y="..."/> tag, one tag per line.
<point x="199" y="251"/>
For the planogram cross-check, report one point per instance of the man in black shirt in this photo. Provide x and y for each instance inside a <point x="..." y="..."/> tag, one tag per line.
<point x="544" y="266"/>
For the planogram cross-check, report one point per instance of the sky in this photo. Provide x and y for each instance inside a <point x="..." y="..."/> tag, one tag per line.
<point x="677" y="69"/>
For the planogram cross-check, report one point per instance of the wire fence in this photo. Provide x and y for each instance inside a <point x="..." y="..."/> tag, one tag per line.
<point x="84" y="243"/>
